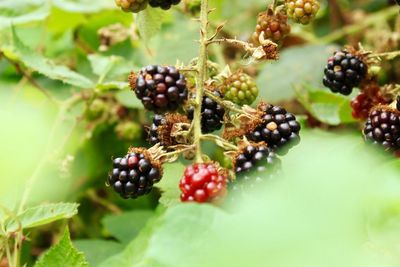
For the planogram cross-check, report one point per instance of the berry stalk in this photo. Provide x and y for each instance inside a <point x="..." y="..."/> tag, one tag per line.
<point x="200" y="78"/>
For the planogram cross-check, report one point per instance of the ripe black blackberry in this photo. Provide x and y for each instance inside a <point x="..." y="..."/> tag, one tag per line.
<point x="212" y="114"/>
<point x="134" y="174"/>
<point x="161" y="129"/>
<point x="383" y="127"/>
<point x="254" y="163"/>
<point x="163" y="4"/>
<point x="343" y="72"/>
<point x="159" y="88"/>
<point x="278" y="128"/>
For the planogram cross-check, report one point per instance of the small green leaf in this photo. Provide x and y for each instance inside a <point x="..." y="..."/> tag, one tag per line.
<point x="97" y="250"/>
<point x="109" y="67"/>
<point x="42" y="214"/>
<point x="22" y="11"/>
<point x="169" y="184"/>
<point x="149" y="22"/>
<point x="63" y="254"/>
<point x="125" y="232"/>
<point x="129" y="99"/>
<point x="18" y="51"/>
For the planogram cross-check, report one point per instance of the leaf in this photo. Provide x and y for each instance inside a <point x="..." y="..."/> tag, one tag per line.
<point x="109" y="67"/>
<point x="43" y="65"/>
<point x="126" y="226"/>
<point x="169" y="184"/>
<point x="149" y="22"/>
<point x="22" y="11"/>
<point x="43" y="214"/>
<point x="297" y="65"/>
<point x="84" y="6"/>
<point x="63" y="254"/>
<point x="97" y="250"/>
<point x="129" y="99"/>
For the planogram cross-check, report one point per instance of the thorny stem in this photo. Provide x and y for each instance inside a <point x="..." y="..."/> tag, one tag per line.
<point x="219" y="141"/>
<point x="225" y="104"/>
<point x="200" y="78"/>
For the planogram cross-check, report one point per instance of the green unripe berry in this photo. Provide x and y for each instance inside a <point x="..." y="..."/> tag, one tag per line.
<point x="240" y="88"/>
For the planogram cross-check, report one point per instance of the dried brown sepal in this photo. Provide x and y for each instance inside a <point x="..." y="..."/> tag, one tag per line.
<point x="388" y="108"/>
<point x="132" y="80"/>
<point x="168" y="132"/>
<point x="153" y="155"/>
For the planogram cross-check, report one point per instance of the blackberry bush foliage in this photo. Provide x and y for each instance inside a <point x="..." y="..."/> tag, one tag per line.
<point x="160" y="88"/>
<point x="343" y="72"/>
<point x="134" y="174"/>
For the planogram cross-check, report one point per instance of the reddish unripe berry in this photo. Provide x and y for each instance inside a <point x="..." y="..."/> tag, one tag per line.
<point x="365" y="101"/>
<point x="203" y="182"/>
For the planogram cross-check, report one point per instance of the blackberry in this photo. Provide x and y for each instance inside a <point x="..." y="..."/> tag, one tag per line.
<point x="273" y="26"/>
<point x="163" y="4"/>
<point x="134" y="6"/>
<point x="160" y="88"/>
<point x="365" y="101"/>
<point x="161" y="129"/>
<point x="383" y="127"/>
<point x="203" y="182"/>
<point x="398" y="102"/>
<point x="343" y="72"/>
<point x="240" y="88"/>
<point x="302" y="11"/>
<point x="134" y="174"/>
<point x="212" y="114"/>
<point x="254" y="163"/>
<point x="278" y="128"/>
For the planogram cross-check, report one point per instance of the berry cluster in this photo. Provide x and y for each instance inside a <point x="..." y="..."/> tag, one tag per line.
<point x="254" y="162"/>
<point x="383" y="127"/>
<point x="302" y="11"/>
<point x="365" y="101"/>
<point x="212" y="114"/>
<point x="343" y="72"/>
<point x="134" y="175"/>
<point x="272" y="26"/>
<point x="203" y="182"/>
<point x="163" y="4"/>
<point x="277" y="129"/>
<point x="134" y="6"/>
<point x="160" y="88"/>
<point x="240" y="88"/>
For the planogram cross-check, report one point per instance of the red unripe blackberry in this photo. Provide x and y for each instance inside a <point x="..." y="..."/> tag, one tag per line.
<point x="163" y="4"/>
<point x="254" y="163"/>
<point x="278" y="128"/>
<point x="134" y="174"/>
<point x="271" y="26"/>
<point x="160" y="88"/>
<point x="203" y="182"/>
<point x="302" y="11"/>
<point x="383" y="127"/>
<point x="134" y="6"/>
<point x="212" y="114"/>
<point x="343" y="72"/>
<point x="240" y="88"/>
<point x="365" y="101"/>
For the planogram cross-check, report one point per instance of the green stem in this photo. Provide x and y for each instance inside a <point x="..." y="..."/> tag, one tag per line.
<point x="200" y="78"/>
<point x="227" y="105"/>
<point x="354" y="28"/>
<point x="219" y="141"/>
<point x="387" y="55"/>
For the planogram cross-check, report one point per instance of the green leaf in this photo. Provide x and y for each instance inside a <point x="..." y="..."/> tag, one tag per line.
<point x="84" y="6"/>
<point x="169" y="184"/>
<point x="63" y="254"/>
<point x="126" y="226"/>
<point x="38" y="63"/>
<point x="22" y="11"/>
<point x="109" y="67"/>
<point x="97" y="250"/>
<point x="297" y="65"/>
<point x="149" y="22"/>
<point x="42" y="214"/>
<point x="129" y="99"/>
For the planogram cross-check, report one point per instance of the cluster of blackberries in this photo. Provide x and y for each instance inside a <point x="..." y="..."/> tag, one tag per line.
<point x="203" y="182"/>
<point x="383" y="127"/>
<point x="212" y="114"/>
<point x="254" y="163"/>
<point x="273" y="26"/>
<point x="134" y="175"/>
<point x="343" y="72"/>
<point x="240" y="88"/>
<point x="164" y="4"/>
<point x="278" y="128"/>
<point x="160" y="88"/>
<point x="302" y="11"/>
